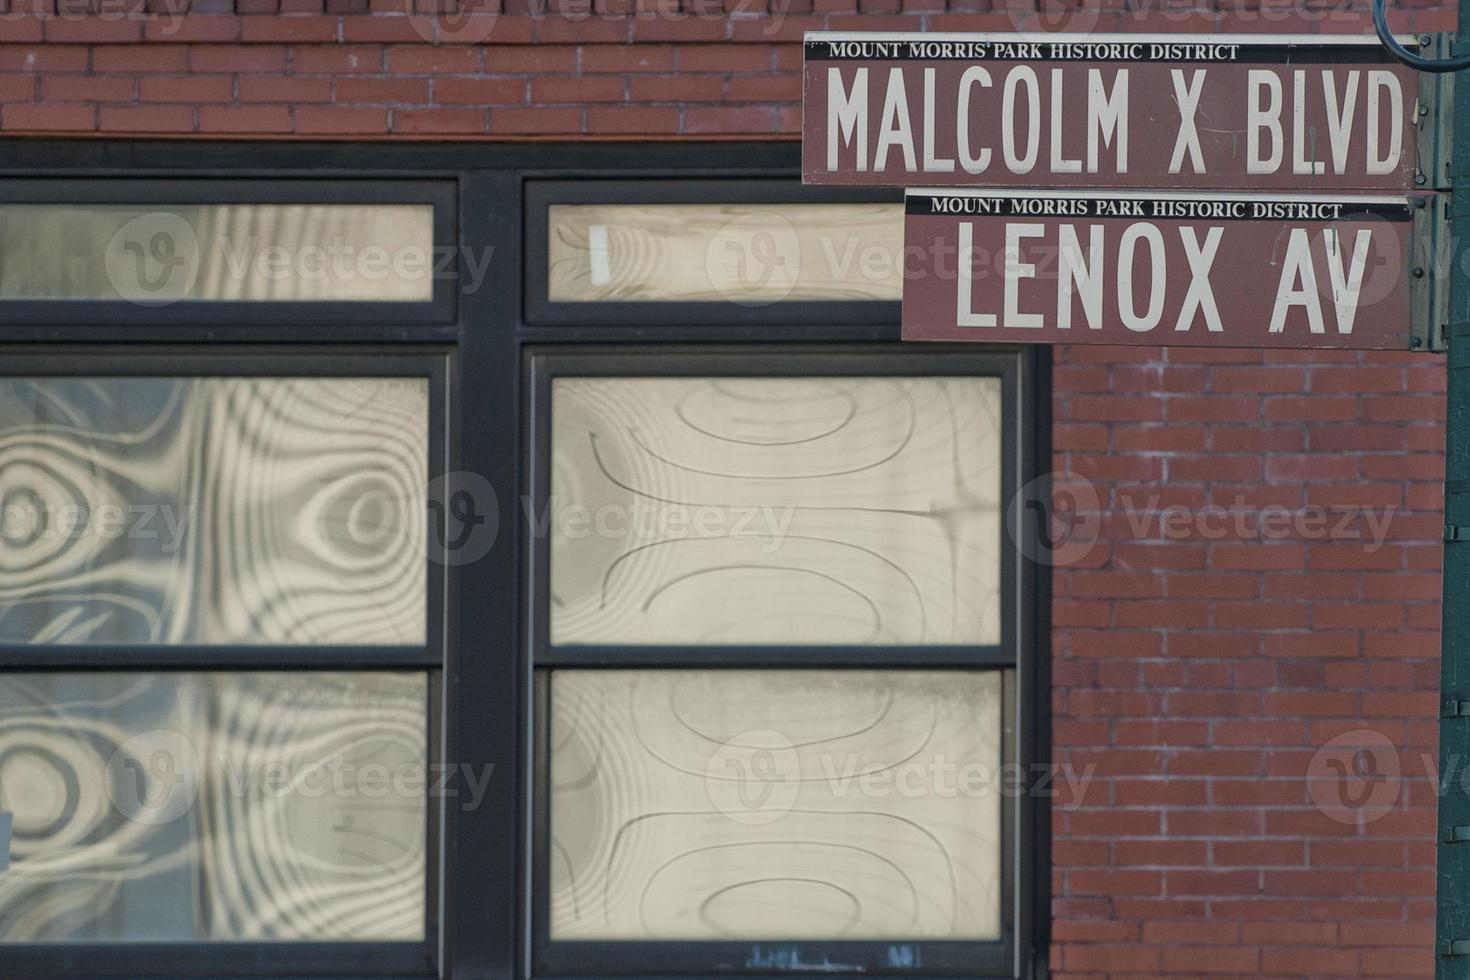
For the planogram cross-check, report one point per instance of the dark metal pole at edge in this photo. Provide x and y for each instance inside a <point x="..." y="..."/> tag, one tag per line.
<point x="1452" y="934"/>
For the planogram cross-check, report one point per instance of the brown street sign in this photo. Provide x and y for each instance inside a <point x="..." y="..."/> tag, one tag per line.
<point x="1196" y="269"/>
<point x="1206" y="111"/>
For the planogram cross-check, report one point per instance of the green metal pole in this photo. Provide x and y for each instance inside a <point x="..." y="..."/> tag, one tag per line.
<point x="1452" y="932"/>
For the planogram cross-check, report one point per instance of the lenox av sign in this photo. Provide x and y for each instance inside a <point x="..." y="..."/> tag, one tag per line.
<point x="1113" y="110"/>
<point x="1113" y="267"/>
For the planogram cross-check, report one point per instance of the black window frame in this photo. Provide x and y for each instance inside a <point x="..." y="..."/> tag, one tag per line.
<point x="628" y="958"/>
<point x="486" y="714"/>
<point x="255" y="958"/>
<point x="439" y="194"/>
<point x="542" y="195"/>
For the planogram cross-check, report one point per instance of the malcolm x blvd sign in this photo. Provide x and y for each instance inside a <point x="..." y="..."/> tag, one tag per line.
<point x="1113" y="267"/>
<point x="1113" y="110"/>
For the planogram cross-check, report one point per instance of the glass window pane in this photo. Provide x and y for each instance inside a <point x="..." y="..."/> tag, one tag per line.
<point x="163" y="253"/>
<point x="180" y="807"/>
<point x="814" y="805"/>
<point x="213" y="510"/>
<point x="823" y="510"/>
<point x="738" y="253"/>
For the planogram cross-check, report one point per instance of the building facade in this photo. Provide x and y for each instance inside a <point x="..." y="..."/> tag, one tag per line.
<point x="374" y="329"/>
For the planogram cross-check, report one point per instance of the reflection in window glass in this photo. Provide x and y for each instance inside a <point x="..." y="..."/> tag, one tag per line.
<point x="738" y="253"/>
<point x="775" y="510"/>
<point x="213" y="510"/>
<point x="163" y="253"/>
<point x="710" y="805"/>
<point x="180" y="807"/>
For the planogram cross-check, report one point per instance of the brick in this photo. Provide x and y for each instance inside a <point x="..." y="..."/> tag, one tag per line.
<point x="765" y="88"/>
<point x="387" y="91"/>
<point x="433" y="60"/>
<point x="439" y="120"/>
<point x="260" y="59"/>
<point x="245" y="119"/>
<point x="344" y="59"/>
<point x="45" y="117"/>
<point x="93" y="30"/>
<point x="725" y="59"/>
<point x="193" y="28"/>
<point x="540" y="121"/>
<point x="146" y="119"/>
<point x="675" y="88"/>
<point x="729" y="120"/>
<point x="338" y="119"/>
<point x="559" y="30"/>
<point x="387" y="30"/>
<point x="88" y="88"/>
<point x="53" y="58"/>
<point x="290" y="30"/>
<point x="284" y="89"/>
<point x="632" y="119"/>
<point x="537" y="58"/>
<point x="1208" y="883"/>
<point x="192" y="89"/>
<point x="1257" y="380"/>
<point x="629" y="59"/>
<point x="577" y="89"/>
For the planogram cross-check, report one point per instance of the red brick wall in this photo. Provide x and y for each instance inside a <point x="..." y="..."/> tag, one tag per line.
<point x="1200" y="667"/>
<point x="597" y="67"/>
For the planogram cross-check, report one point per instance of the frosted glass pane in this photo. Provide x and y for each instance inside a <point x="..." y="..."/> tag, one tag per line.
<point x="156" y="254"/>
<point x="775" y="805"/>
<point x="181" y="807"/>
<point x="749" y="254"/>
<point x="213" y="510"/>
<point x="775" y="510"/>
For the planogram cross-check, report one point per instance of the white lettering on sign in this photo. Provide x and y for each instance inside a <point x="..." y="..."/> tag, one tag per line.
<point x="1200" y="297"/>
<point x="847" y="117"/>
<point x="1299" y="286"/>
<point x="1385" y="162"/>
<point x="1085" y="276"/>
<point x="977" y="162"/>
<point x="1186" y="96"/>
<point x="925" y="120"/>
<point x="1139" y="273"/>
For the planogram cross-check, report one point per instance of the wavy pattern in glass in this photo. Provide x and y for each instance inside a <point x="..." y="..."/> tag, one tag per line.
<point x="234" y="807"/>
<point x="213" y="510"/>
<point x="830" y="510"/>
<point x="799" y="805"/>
